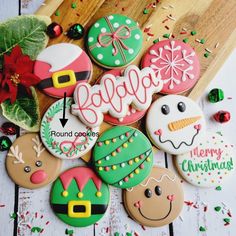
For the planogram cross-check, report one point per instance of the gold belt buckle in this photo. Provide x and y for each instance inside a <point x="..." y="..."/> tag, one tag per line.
<point x="86" y="204"/>
<point x="58" y="74"/>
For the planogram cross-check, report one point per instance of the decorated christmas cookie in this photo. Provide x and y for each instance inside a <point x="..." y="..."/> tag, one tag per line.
<point x="79" y="198"/>
<point x="175" y="124"/>
<point x="29" y="164"/>
<point x="157" y="201"/>
<point x="176" y="63"/>
<point x="208" y="164"/>
<point x="115" y="95"/>
<point x="114" y="41"/>
<point x="68" y="142"/>
<point x="61" y="67"/>
<point x="123" y="156"/>
<point x="132" y="115"/>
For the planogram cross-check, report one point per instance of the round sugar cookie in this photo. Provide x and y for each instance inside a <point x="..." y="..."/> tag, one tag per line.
<point x="175" y="124"/>
<point x="176" y="63"/>
<point x="29" y="164"/>
<point x="210" y="163"/>
<point x="157" y="201"/>
<point x="61" y="67"/>
<point x="123" y="156"/>
<point x="79" y="198"/>
<point x="71" y="141"/>
<point x="114" y="41"/>
<point x="133" y="114"/>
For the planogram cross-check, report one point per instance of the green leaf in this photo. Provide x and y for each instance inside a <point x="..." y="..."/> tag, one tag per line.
<point x="26" y="31"/>
<point x="24" y="112"/>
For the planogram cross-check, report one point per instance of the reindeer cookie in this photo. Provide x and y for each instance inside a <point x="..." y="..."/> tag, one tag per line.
<point x="29" y="164"/>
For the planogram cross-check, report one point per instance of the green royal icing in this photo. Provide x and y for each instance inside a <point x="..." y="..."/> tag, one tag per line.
<point x="128" y="48"/>
<point x="132" y="162"/>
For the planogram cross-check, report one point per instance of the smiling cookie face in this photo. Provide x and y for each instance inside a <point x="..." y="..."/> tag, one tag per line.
<point x="157" y="201"/>
<point x="175" y="124"/>
<point x="28" y="163"/>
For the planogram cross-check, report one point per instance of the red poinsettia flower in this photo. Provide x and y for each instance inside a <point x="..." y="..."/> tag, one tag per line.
<point x="17" y="70"/>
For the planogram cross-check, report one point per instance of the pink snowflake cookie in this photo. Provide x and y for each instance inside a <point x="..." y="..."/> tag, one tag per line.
<point x="176" y="63"/>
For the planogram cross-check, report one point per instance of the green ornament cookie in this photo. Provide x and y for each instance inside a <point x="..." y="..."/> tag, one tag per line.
<point x="79" y="198"/>
<point x="123" y="156"/>
<point x="114" y="41"/>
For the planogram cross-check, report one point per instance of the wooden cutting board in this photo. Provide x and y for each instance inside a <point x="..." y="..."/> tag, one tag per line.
<point x="212" y="20"/>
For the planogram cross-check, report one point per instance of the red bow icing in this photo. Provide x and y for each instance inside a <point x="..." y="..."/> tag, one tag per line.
<point x="113" y="37"/>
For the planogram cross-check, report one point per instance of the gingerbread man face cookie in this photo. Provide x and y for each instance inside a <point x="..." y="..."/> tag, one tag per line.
<point x="28" y="163"/>
<point x="79" y="198"/>
<point x="157" y="201"/>
<point x="175" y="124"/>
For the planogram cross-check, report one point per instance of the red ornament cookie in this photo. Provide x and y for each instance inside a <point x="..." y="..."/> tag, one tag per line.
<point x="61" y="67"/>
<point x="176" y="63"/>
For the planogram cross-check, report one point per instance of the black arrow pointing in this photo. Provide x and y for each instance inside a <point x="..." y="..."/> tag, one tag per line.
<point x="64" y="120"/>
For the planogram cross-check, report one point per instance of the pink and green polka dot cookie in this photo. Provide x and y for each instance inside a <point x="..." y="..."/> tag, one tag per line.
<point x="209" y="164"/>
<point x="123" y="157"/>
<point x="114" y="41"/>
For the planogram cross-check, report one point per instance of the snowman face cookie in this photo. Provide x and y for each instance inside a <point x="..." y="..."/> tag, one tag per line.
<point x="157" y="201"/>
<point x="28" y="163"/>
<point x="175" y="124"/>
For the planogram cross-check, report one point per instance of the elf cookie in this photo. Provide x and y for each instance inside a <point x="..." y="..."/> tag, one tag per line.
<point x="210" y="163"/>
<point x="114" y="41"/>
<point x="176" y="63"/>
<point x="61" y="67"/>
<point x="68" y="141"/>
<point x="157" y="201"/>
<point x="175" y="124"/>
<point x="132" y="115"/>
<point x="79" y="198"/>
<point x="115" y="95"/>
<point x="123" y="156"/>
<point x="29" y="165"/>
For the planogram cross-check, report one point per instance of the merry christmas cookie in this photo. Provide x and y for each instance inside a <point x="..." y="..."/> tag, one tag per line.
<point x="157" y="201"/>
<point x="123" y="156"/>
<point x="210" y="163"/>
<point x="115" y="95"/>
<point x="71" y="141"/>
<point x="61" y="67"/>
<point x="175" y="124"/>
<point x="29" y="164"/>
<point x="176" y="63"/>
<point x="79" y="198"/>
<point x="114" y="41"/>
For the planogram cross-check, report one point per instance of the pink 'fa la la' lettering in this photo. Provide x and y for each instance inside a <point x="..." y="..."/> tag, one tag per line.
<point x="114" y="95"/>
<point x="207" y="152"/>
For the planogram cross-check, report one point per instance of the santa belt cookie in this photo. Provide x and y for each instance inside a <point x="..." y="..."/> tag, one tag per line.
<point x="62" y="79"/>
<point x="79" y="209"/>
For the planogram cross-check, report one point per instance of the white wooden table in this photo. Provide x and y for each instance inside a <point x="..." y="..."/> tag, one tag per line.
<point x="36" y="203"/>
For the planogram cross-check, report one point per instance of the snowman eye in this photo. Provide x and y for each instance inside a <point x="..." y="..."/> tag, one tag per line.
<point x="181" y="107"/>
<point x="165" y="109"/>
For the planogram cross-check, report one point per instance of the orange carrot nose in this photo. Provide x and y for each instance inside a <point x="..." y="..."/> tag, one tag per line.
<point x="180" y="124"/>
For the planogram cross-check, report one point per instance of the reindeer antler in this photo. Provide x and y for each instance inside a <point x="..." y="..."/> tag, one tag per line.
<point x="15" y="153"/>
<point x="38" y="147"/>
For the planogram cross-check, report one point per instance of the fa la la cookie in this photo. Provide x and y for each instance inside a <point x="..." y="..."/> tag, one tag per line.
<point x="79" y="198"/>
<point x="114" y="41"/>
<point x="114" y="96"/>
<point x="132" y="116"/>
<point x="210" y="163"/>
<point x="157" y="201"/>
<point x="71" y="141"/>
<point x="29" y="164"/>
<point x="123" y="156"/>
<point x="175" y="63"/>
<point x="175" y="124"/>
<point x="61" y="67"/>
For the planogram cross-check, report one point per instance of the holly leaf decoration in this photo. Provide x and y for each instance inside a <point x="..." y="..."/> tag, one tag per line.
<point x="26" y="31"/>
<point x="24" y="112"/>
